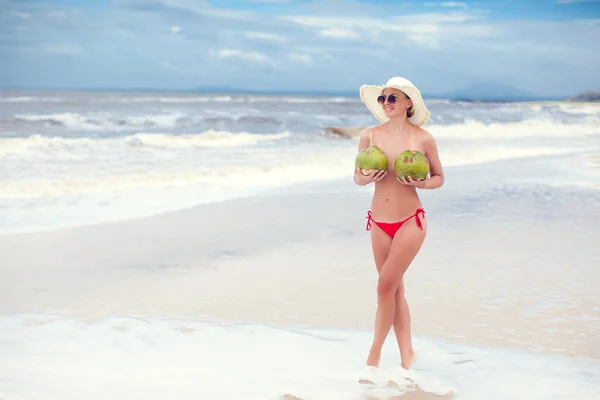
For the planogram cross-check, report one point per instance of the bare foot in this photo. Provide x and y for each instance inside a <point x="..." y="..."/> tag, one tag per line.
<point x="373" y="358"/>
<point x="368" y="375"/>
<point x="371" y="368"/>
<point x="411" y="360"/>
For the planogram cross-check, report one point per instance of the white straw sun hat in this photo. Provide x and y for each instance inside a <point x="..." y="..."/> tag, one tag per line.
<point x="369" y="94"/>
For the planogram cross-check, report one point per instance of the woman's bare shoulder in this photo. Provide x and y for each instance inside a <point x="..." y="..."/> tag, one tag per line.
<point x="368" y="131"/>
<point x="425" y="134"/>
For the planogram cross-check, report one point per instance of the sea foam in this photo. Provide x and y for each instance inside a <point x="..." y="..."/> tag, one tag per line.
<point x="126" y="357"/>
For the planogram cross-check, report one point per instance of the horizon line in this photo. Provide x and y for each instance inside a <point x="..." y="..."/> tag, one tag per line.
<point x="342" y="93"/>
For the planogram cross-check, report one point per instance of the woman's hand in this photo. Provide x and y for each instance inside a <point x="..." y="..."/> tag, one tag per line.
<point x="373" y="176"/>
<point x="411" y="182"/>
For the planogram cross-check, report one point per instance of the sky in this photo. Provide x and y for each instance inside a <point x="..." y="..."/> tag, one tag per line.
<point x="540" y="47"/>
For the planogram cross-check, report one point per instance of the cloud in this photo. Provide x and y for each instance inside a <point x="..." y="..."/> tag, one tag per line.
<point x="339" y="33"/>
<point x="576" y="1"/>
<point x="303" y="58"/>
<point x="342" y="43"/>
<point x="180" y="7"/>
<point x="425" y="41"/>
<point x="454" y="4"/>
<point x="265" y="36"/>
<point x="53" y="48"/>
<point x="18" y="14"/>
<point x="428" y="30"/>
<point x="61" y="48"/>
<point x="268" y="1"/>
<point x="253" y="56"/>
<point x="453" y="17"/>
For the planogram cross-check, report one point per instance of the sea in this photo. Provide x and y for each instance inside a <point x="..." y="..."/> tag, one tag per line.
<point x="72" y="158"/>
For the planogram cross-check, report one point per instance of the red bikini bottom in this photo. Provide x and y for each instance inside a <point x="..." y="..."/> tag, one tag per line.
<point x="392" y="227"/>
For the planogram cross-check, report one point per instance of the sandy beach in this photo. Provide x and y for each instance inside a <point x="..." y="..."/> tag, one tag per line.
<point x="135" y="266"/>
<point x="304" y="260"/>
<point x="516" y="272"/>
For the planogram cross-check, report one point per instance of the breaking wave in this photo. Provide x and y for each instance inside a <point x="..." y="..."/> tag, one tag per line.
<point x="100" y="122"/>
<point x="208" y="139"/>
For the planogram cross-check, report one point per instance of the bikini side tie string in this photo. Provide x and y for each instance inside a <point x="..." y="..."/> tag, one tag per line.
<point x="422" y="212"/>
<point x="368" y="217"/>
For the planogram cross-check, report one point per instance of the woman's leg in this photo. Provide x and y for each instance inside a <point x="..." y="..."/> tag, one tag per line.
<point x="404" y="247"/>
<point x="402" y="327"/>
<point x="381" y="243"/>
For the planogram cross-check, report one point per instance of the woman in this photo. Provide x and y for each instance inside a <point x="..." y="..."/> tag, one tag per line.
<point x="396" y="219"/>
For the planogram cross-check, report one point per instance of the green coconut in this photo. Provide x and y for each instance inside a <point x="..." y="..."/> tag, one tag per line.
<point x="412" y="164"/>
<point x="371" y="158"/>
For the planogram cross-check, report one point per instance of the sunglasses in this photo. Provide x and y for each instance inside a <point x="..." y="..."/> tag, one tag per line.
<point x="391" y="99"/>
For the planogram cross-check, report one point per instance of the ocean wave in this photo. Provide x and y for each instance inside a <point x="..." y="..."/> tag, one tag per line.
<point x="238" y="98"/>
<point x="41" y="166"/>
<point x="76" y="173"/>
<point x="523" y="129"/>
<point x="178" y="99"/>
<point x="29" y="99"/>
<point x="471" y="128"/>
<point x="251" y="175"/>
<point x="578" y="109"/>
<point x="110" y="123"/>
<point x="210" y="139"/>
<point x="101" y="122"/>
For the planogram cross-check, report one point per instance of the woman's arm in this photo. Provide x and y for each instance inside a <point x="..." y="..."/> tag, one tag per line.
<point x="363" y="143"/>
<point x="436" y="171"/>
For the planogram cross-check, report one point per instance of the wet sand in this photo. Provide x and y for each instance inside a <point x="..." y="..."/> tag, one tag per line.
<point x="506" y="277"/>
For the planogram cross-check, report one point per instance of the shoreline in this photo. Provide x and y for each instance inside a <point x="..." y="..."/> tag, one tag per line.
<point x="182" y="358"/>
<point x="585" y="161"/>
